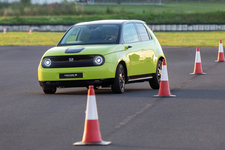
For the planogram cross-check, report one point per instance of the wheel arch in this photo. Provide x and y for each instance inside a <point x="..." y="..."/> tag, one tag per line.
<point x="161" y="58"/>
<point x="122" y="62"/>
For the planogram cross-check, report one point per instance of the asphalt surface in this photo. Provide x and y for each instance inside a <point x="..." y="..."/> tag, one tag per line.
<point x="134" y="120"/>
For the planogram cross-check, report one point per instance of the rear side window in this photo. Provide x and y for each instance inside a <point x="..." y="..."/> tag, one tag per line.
<point x="143" y="32"/>
<point x="130" y="34"/>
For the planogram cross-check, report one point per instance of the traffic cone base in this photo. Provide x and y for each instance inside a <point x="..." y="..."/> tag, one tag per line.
<point x="198" y="73"/>
<point x="164" y="96"/>
<point x="102" y="143"/>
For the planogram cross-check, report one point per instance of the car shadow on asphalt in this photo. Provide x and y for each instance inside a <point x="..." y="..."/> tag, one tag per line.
<point x="104" y="91"/>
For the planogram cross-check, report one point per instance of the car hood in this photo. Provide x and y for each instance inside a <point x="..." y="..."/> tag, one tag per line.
<point x="83" y="50"/>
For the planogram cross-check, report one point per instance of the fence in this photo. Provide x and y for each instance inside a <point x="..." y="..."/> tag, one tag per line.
<point x="155" y="27"/>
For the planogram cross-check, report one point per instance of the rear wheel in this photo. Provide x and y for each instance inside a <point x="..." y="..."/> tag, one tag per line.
<point x="49" y="90"/>
<point x="155" y="81"/>
<point x="118" y="85"/>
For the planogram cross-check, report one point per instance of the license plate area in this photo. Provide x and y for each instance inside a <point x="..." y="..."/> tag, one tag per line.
<point x="70" y="75"/>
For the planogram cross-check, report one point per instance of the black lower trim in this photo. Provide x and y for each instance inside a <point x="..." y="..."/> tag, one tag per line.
<point x="96" y="82"/>
<point x="76" y="83"/>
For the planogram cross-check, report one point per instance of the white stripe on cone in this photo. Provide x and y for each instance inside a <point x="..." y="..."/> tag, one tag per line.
<point x="164" y="75"/>
<point x="221" y="48"/>
<point x="197" y="57"/>
<point x="91" y="110"/>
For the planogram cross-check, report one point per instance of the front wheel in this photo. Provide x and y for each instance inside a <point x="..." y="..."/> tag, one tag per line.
<point x="155" y="81"/>
<point x="118" y="85"/>
<point x="49" y="90"/>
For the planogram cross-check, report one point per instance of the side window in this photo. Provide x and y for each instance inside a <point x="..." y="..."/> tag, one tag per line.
<point x="143" y="32"/>
<point x="130" y="34"/>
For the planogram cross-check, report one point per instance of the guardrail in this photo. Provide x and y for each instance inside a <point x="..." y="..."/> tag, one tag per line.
<point x="35" y="27"/>
<point x="187" y="27"/>
<point x="155" y="27"/>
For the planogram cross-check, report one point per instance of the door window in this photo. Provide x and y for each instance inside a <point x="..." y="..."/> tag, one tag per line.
<point x="130" y="34"/>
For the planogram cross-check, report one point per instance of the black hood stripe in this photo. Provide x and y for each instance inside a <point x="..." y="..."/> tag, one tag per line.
<point x="74" y="50"/>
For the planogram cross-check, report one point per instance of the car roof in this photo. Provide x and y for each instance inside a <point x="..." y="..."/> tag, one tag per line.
<point x="110" y="22"/>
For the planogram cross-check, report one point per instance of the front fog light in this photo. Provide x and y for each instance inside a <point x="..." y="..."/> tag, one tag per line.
<point x="47" y="62"/>
<point x="98" y="60"/>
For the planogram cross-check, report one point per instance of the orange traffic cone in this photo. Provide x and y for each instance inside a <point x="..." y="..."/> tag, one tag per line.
<point x="30" y="31"/>
<point x="220" y="53"/>
<point x="164" y="90"/>
<point x="198" y="63"/>
<point x="4" y="31"/>
<point x="92" y="135"/>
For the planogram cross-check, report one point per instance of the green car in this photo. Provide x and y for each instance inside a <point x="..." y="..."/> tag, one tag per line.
<point x="105" y="53"/>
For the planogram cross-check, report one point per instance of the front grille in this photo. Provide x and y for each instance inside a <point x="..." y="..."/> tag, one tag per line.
<point x="71" y="61"/>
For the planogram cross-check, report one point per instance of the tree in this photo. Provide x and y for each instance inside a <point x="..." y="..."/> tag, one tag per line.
<point x="26" y="2"/>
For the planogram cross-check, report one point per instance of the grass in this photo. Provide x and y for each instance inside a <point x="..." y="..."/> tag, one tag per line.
<point x="181" y="12"/>
<point x="180" y="7"/>
<point x="183" y="39"/>
<point x="26" y="39"/>
<point x="214" y="17"/>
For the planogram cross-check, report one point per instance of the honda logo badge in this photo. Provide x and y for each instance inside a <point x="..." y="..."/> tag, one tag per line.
<point x="71" y="59"/>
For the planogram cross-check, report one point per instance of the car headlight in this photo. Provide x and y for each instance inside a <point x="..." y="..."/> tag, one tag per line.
<point x="98" y="60"/>
<point x="46" y="62"/>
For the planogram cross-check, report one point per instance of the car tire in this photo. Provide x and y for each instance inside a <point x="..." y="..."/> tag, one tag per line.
<point x="118" y="85"/>
<point x="155" y="81"/>
<point x="49" y="90"/>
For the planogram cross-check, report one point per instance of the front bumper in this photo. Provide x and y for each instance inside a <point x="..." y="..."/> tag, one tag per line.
<point x="105" y="71"/>
<point x="99" y="75"/>
<point x="77" y="83"/>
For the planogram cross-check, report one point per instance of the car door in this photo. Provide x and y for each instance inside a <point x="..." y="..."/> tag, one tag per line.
<point x="131" y="41"/>
<point x="148" y="46"/>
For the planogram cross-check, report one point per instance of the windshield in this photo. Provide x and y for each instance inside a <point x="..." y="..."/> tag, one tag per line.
<point x="91" y="34"/>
